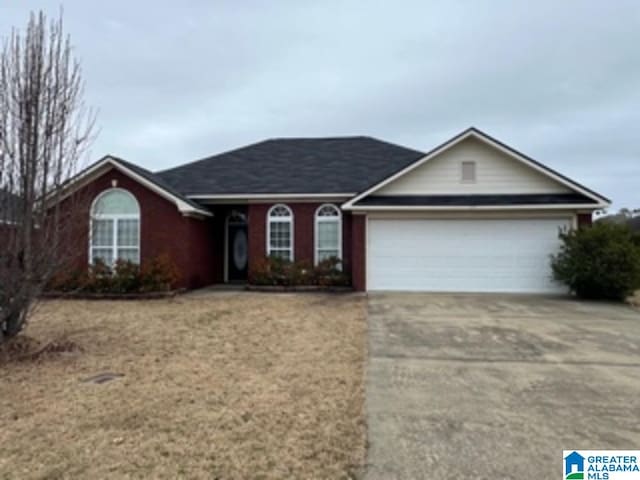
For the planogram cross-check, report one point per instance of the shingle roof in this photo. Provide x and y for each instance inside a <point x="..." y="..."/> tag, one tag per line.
<point x="293" y="165"/>
<point x="143" y="172"/>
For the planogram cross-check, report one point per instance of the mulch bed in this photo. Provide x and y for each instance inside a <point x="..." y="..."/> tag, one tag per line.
<point x="114" y="296"/>
<point x="298" y="288"/>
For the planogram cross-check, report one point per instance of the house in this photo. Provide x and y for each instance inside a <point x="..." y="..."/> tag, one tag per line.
<point x="473" y="214"/>
<point x="8" y="205"/>
<point x="573" y="463"/>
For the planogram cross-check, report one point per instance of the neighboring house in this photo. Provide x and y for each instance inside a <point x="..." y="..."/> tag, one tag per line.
<point x="623" y="217"/>
<point x="9" y="204"/>
<point x="471" y="215"/>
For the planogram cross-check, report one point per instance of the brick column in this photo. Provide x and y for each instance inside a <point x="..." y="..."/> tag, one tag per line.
<point x="584" y="220"/>
<point x="359" y="253"/>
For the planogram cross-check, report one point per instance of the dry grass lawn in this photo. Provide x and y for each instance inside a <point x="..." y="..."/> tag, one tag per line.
<point x="216" y="385"/>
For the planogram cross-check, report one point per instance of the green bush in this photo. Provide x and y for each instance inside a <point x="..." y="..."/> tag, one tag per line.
<point x="600" y="262"/>
<point x="277" y="271"/>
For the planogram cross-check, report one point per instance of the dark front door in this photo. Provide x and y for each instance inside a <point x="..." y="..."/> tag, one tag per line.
<point x="237" y="248"/>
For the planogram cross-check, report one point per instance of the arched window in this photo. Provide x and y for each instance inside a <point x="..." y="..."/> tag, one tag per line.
<point x="280" y="232"/>
<point x="328" y="235"/>
<point x="115" y="227"/>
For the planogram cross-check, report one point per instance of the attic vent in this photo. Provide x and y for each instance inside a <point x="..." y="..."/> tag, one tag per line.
<point x="468" y="174"/>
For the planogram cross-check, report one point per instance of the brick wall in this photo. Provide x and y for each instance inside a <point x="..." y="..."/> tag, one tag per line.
<point x="584" y="220"/>
<point x="304" y="232"/>
<point x="163" y="230"/>
<point x="359" y="252"/>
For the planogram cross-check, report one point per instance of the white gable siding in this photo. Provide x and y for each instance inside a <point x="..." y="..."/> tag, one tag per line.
<point x="496" y="173"/>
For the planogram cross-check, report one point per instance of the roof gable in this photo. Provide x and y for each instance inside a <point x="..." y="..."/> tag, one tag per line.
<point x="500" y="170"/>
<point x="496" y="173"/>
<point x="142" y="176"/>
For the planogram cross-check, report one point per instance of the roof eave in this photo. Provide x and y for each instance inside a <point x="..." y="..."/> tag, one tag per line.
<point x="427" y="208"/>
<point x="250" y="196"/>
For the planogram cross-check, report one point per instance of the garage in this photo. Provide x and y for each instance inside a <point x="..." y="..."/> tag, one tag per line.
<point x="463" y="255"/>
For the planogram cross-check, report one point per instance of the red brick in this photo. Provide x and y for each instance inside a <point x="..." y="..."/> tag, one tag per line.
<point x="585" y="220"/>
<point x="304" y="232"/>
<point x="359" y="253"/>
<point x="163" y="230"/>
<point x="197" y="245"/>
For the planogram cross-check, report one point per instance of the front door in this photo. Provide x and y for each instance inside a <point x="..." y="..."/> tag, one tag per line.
<point x="237" y="248"/>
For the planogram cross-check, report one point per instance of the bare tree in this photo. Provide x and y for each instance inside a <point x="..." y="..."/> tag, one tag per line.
<point x="45" y="131"/>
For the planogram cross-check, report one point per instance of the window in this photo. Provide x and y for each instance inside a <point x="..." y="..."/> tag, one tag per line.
<point x="115" y="227"/>
<point x="328" y="233"/>
<point x="280" y="232"/>
<point x="468" y="172"/>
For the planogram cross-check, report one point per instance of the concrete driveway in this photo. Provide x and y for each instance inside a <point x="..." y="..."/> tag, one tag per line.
<point x="495" y="387"/>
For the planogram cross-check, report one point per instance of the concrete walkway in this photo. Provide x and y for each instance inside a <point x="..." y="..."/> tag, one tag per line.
<point x="495" y="387"/>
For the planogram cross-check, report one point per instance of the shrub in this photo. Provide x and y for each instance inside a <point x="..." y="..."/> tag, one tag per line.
<point x="278" y="271"/>
<point x="260" y="274"/>
<point x="329" y="272"/>
<point x="302" y="273"/>
<point x="125" y="277"/>
<point x="67" y="280"/>
<point x="157" y="275"/>
<point x="600" y="262"/>
<point x="273" y="271"/>
<point x="99" y="278"/>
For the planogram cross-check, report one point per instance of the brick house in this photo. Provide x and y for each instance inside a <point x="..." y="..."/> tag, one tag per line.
<point x="470" y="215"/>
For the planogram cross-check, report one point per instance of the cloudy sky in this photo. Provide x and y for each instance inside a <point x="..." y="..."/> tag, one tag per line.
<point x="175" y="81"/>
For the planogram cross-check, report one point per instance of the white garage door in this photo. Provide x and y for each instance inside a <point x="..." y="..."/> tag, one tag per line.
<point x="506" y="255"/>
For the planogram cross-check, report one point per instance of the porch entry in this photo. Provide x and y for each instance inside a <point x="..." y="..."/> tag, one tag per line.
<point x="237" y="249"/>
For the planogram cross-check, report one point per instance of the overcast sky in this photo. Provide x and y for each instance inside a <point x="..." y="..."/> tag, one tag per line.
<point x="175" y="81"/>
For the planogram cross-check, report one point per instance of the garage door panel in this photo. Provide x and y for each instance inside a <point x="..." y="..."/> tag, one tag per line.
<point x="507" y="255"/>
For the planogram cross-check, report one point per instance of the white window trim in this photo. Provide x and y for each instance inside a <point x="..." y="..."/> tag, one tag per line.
<point x="319" y="219"/>
<point x="289" y="220"/>
<point x="114" y="217"/>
